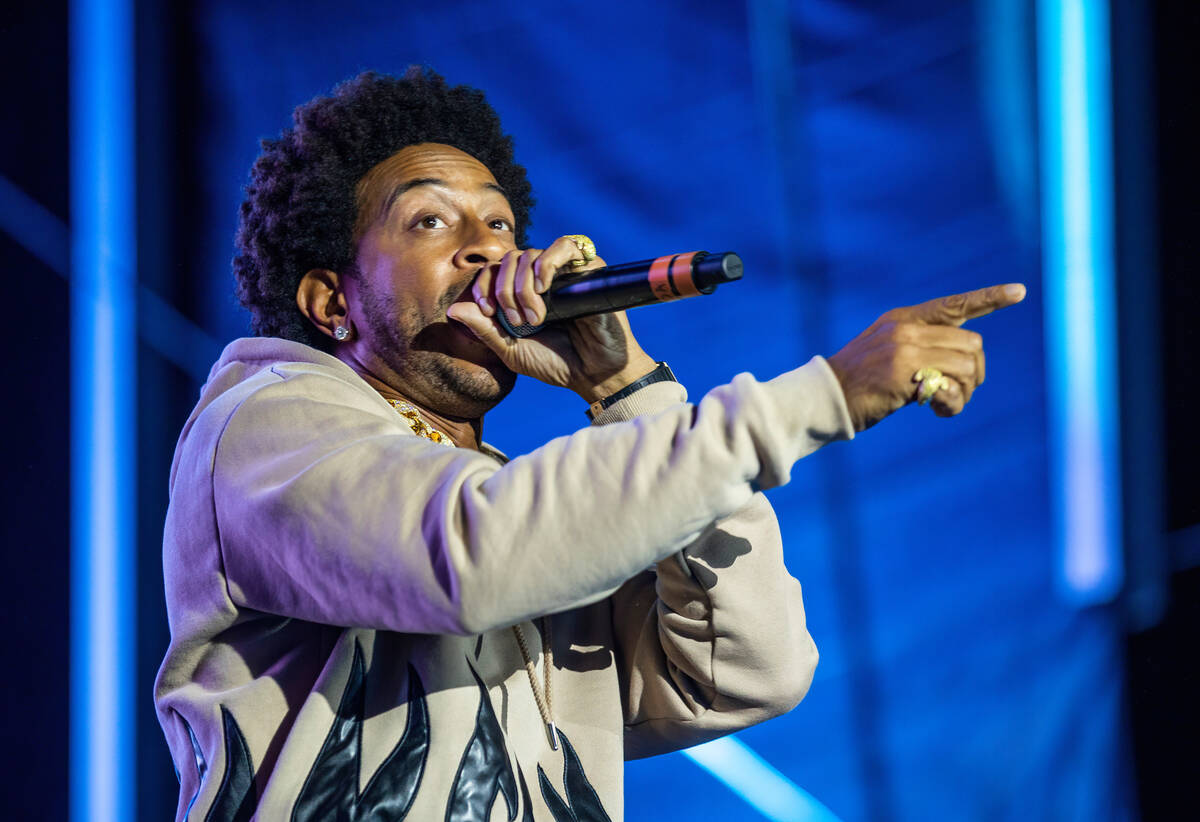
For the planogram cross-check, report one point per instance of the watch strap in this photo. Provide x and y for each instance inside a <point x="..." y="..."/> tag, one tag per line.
<point x="662" y="373"/>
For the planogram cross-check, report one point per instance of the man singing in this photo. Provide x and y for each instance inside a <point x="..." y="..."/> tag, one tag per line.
<point x="374" y="615"/>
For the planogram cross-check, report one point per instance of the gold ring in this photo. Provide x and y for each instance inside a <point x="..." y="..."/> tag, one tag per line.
<point x="931" y="381"/>
<point x="586" y="247"/>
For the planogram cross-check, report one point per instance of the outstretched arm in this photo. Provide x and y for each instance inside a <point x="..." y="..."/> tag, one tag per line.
<point x="343" y="517"/>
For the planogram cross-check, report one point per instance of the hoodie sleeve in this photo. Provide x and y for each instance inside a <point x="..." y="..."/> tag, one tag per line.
<point x="329" y="509"/>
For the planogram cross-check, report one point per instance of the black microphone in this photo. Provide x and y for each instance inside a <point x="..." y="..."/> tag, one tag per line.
<point x="629" y="285"/>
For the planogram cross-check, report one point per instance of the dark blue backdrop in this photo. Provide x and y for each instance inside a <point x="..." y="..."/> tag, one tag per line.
<point x="858" y="156"/>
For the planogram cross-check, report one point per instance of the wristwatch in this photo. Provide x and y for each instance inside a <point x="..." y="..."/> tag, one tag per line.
<point x="661" y="374"/>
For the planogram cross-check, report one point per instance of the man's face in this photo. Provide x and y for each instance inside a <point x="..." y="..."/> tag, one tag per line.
<point x="430" y="218"/>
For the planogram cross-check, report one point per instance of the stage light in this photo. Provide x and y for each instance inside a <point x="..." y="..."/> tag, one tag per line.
<point x="755" y="780"/>
<point x="1079" y="279"/>
<point x="103" y="409"/>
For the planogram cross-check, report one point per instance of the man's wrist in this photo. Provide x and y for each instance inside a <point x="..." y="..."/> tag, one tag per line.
<point x="632" y="372"/>
<point x="661" y="373"/>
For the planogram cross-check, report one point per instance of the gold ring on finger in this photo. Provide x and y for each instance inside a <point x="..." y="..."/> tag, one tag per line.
<point x="586" y="247"/>
<point x="931" y="381"/>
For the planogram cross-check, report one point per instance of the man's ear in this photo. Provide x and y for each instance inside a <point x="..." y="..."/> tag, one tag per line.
<point x="322" y="298"/>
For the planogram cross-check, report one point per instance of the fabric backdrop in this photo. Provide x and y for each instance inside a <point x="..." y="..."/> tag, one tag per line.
<point x="858" y="156"/>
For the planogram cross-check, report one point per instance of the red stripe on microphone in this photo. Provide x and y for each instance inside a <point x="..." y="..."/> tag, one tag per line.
<point x="681" y="275"/>
<point x="660" y="279"/>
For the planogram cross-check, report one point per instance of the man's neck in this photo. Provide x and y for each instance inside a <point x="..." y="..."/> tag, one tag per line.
<point x="464" y="433"/>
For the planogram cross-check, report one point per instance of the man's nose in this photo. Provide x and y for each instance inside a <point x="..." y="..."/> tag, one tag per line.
<point x="482" y="244"/>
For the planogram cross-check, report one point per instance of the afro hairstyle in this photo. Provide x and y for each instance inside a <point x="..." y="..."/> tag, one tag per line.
<point x="300" y="208"/>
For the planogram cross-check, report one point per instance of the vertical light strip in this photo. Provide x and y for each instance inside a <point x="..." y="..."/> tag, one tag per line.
<point x="103" y="339"/>
<point x="754" y="779"/>
<point x="1078" y="269"/>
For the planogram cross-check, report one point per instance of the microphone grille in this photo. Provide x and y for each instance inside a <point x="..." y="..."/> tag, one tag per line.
<point x="522" y="330"/>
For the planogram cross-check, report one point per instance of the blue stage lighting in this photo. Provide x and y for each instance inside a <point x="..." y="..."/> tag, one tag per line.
<point x="103" y="441"/>
<point x="1078" y="272"/>
<point x="754" y="779"/>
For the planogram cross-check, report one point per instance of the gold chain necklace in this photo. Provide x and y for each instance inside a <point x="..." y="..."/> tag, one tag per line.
<point x="418" y="425"/>
<point x="545" y="705"/>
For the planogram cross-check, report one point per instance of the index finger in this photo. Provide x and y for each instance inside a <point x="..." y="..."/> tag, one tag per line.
<point x="956" y="309"/>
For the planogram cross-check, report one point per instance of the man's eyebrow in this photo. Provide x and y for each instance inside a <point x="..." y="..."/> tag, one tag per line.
<point x="409" y="185"/>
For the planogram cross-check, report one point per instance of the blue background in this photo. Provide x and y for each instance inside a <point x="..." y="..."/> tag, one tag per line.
<point x="858" y="156"/>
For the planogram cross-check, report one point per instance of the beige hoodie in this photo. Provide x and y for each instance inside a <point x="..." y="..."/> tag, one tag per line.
<point x="341" y="594"/>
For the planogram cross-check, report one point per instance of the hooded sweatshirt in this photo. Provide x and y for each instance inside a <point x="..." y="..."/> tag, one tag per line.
<point x="341" y="594"/>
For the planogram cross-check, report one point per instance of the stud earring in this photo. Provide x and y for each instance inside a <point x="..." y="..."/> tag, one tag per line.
<point x="341" y="333"/>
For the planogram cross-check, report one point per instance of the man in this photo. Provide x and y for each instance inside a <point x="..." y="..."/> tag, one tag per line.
<point x="375" y="615"/>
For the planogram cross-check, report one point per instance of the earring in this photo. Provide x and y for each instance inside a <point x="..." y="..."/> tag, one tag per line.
<point x="341" y="333"/>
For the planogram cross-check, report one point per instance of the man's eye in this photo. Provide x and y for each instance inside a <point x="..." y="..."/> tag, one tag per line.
<point x="501" y="225"/>
<point x="432" y="221"/>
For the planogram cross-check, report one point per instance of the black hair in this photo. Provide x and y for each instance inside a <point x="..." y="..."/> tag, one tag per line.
<point x="300" y="209"/>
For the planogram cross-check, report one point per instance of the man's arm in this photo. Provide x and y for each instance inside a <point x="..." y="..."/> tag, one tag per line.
<point x="329" y="510"/>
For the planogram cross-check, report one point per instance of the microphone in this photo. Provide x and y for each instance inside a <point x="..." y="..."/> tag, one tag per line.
<point x="629" y="285"/>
